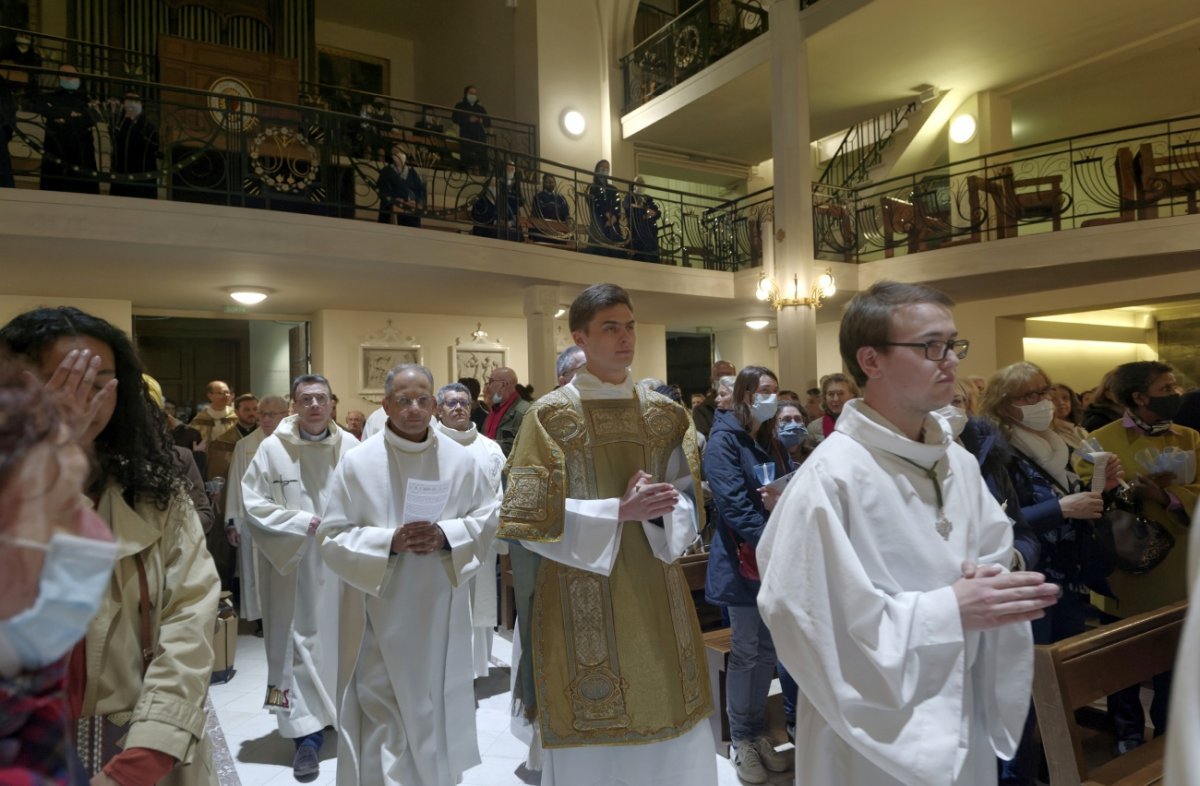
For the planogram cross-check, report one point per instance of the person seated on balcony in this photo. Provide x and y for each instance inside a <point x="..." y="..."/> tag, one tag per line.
<point x="641" y="211"/>
<point x="135" y="151"/>
<point x="473" y="122"/>
<point x="69" y="150"/>
<point x="401" y="192"/>
<point x="604" y="202"/>
<point x="550" y="206"/>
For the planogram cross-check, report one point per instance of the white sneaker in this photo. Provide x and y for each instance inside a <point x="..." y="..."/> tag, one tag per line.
<point x="773" y="760"/>
<point x="746" y="762"/>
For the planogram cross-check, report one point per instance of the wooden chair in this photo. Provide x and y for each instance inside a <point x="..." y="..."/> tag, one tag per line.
<point x="1020" y="200"/>
<point x="1126" y="191"/>
<point x="924" y="222"/>
<point x="1164" y="177"/>
<point x="1075" y="672"/>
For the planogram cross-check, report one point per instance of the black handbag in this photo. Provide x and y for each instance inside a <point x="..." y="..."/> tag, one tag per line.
<point x="1135" y="543"/>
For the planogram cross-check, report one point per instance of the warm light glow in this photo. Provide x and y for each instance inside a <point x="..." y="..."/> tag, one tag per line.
<point x="248" y="296"/>
<point x="962" y="129"/>
<point x="573" y="122"/>
<point x="764" y="288"/>
<point x="757" y="324"/>
<point x="560" y="312"/>
<point x="826" y="285"/>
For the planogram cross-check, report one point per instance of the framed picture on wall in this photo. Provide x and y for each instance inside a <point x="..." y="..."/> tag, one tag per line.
<point x="341" y="68"/>
<point x="376" y="360"/>
<point x="477" y="358"/>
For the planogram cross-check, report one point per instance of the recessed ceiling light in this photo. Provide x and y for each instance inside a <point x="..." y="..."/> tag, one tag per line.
<point x="757" y="324"/>
<point x="249" y="296"/>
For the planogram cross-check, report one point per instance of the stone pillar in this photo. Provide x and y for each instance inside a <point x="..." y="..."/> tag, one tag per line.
<point x="541" y="303"/>
<point x="793" y="241"/>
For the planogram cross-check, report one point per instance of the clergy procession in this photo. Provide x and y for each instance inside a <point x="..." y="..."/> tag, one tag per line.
<point x="880" y="560"/>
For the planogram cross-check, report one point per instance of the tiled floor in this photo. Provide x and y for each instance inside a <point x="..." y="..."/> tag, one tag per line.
<point x="263" y="758"/>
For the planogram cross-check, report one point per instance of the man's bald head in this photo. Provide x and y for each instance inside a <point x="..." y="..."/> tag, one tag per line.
<point x="218" y="394"/>
<point x="502" y="384"/>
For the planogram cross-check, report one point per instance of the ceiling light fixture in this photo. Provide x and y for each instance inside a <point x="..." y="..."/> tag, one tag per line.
<point x="823" y="287"/>
<point x="573" y="123"/>
<point x="962" y="129"/>
<point x="757" y="323"/>
<point x="249" y="296"/>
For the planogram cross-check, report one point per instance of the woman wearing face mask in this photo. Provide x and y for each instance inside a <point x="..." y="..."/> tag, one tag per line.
<point x="605" y="206"/>
<point x="69" y="154"/>
<point x="147" y="656"/>
<point x="56" y="557"/>
<point x="1152" y="397"/>
<point x="741" y="441"/>
<point x="473" y="123"/>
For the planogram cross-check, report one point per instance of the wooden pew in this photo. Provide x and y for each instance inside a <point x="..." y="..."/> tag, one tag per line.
<point x="1075" y="672"/>
<point x="1164" y="177"/>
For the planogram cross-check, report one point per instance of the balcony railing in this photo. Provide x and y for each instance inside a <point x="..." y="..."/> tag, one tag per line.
<point x="195" y="146"/>
<point x="1134" y="173"/>
<point x="51" y="52"/>
<point x="695" y="39"/>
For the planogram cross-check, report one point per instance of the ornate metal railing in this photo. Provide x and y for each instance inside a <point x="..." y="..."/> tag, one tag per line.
<point x="502" y="132"/>
<point x="194" y="146"/>
<point x="737" y="228"/>
<point x="1133" y="173"/>
<point x="863" y="146"/>
<point x="700" y="36"/>
<point x="51" y="52"/>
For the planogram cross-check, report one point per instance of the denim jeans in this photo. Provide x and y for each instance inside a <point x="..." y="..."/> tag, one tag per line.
<point x="749" y="673"/>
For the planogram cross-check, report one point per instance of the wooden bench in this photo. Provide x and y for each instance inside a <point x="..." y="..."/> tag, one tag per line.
<point x="1073" y="673"/>
<point x="716" y="650"/>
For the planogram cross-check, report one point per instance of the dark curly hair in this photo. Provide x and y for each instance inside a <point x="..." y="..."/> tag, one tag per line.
<point x="135" y="449"/>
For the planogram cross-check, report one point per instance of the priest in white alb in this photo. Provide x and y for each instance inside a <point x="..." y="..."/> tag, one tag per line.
<point x="271" y="411"/>
<point x="889" y="579"/>
<point x="409" y="521"/>
<point x="602" y="485"/>
<point x="454" y="420"/>
<point x="284" y="493"/>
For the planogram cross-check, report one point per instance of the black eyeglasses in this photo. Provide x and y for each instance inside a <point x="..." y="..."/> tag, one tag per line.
<point x="937" y="350"/>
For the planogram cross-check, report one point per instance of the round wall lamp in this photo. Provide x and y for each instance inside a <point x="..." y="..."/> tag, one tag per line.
<point x="962" y="129"/>
<point x="573" y="123"/>
<point x="249" y="296"/>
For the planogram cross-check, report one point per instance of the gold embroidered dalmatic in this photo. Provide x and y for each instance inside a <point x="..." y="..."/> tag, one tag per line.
<point x="616" y="659"/>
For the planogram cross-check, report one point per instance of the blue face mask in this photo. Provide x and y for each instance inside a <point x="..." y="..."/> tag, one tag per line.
<point x="74" y="576"/>
<point x="764" y="406"/>
<point x="69" y="84"/>
<point x="791" y="434"/>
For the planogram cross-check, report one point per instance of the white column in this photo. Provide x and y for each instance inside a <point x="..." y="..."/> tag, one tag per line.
<point x="793" y="241"/>
<point x="541" y="302"/>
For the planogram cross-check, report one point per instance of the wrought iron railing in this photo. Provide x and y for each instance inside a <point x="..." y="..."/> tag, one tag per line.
<point x="502" y="132"/>
<point x="863" y="147"/>
<point x="1133" y="173"/>
<point x="689" y="43"/>
<point x="51" y="52"/>
<point x="194" y="146"/>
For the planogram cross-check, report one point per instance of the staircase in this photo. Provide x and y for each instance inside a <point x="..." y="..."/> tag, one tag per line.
<point x="863" y="147"/>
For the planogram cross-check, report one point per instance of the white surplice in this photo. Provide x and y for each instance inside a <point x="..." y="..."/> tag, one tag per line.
<point x="282" y="490"/>
<point x="405" y="684"/>
<point x="590" y="541"/>
<point x="484" y="603"/>
<point x="857" y="594"/>
<point x="1183" y="753"/>
<point x="235" y="511"/>
<point x="375" y="423"/>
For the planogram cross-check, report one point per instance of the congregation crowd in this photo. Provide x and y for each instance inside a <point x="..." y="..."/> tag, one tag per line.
<point x="890" y="545"/>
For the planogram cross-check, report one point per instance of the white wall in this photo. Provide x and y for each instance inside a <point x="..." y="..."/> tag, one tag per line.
<point x="398" y="51"/>
<point x="571" y="69"/>
<point x="270" y="371"/>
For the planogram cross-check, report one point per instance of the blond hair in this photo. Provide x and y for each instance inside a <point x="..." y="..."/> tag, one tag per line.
<point x="1000" y="388"/>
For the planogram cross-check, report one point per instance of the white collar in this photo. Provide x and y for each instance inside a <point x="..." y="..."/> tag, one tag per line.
<point x="407" y="445"/>
<point x="588" y="385"/>
<point x="865" y="425"/>
<point x="465" y="437"/>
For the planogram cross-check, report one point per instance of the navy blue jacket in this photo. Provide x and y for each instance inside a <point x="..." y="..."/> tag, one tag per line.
<point x="985" y="442"/>
<point x="729" y="461"/>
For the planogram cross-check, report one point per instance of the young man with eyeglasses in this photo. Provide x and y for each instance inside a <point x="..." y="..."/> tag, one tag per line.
<point x="283" y="495"/>
<point x="454" y="420"/>
<point x="886" y="572"/>
<point x="406" y="703"/>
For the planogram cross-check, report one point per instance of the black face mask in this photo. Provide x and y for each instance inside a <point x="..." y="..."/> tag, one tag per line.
<point x="1166" y="407"/>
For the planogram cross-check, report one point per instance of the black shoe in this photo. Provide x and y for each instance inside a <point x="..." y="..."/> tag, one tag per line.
<point x="306" y="766"/>
<point x="258" y="629"/>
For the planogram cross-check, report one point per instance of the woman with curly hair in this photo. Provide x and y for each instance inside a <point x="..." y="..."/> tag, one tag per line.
<point x="141" y="673"/>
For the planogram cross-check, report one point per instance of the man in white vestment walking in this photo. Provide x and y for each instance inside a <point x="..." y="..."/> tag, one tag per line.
<point x="886" y="573"/>
<point x="271" y="412"/>
<point x="454" y="420"/>
<point x="284" y="496"/>
<point x="410" y="519"/>
<point x="602" y="485"/>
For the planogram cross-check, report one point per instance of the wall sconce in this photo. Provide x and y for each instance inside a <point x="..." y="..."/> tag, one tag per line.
<point x="573" y="123"/>
<point x="962" y="129"/>
<point x="822" y="288"/>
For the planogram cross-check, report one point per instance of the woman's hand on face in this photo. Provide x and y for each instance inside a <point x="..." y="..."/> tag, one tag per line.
<point x="71" y="385"/>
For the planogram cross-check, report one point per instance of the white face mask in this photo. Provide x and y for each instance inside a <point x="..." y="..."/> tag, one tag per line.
<point x="69" y="84"/>
<point x="956" y="416"/>
<point x="472" y="99"/>
<point x="764" y="407"/>
<point x="22" y="46"/>
<point x="74" y="575"/>
<point x="1037" y="417"/>
<point x="497" y="398"/>
<point x="133" y="107"/>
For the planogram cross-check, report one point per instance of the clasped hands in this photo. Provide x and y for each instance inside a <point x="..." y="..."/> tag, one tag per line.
<point x="644" y="500"/>
<point x="418" y="537"/>
<point x="990" y="598"/>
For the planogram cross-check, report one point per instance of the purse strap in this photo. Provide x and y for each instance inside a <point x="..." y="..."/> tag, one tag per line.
<point x="144" y="613"/>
